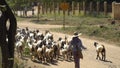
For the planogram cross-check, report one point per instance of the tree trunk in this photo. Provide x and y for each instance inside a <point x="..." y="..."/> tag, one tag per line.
<point x="7" y="47"/>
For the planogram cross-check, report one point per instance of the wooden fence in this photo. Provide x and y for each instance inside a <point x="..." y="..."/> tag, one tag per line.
<point x="76" y="8"/>
<point x="115" y="10"/>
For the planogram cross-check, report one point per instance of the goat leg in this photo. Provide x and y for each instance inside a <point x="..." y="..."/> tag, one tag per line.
<point x="97" y="55"/>
<point x="104" y="56"/>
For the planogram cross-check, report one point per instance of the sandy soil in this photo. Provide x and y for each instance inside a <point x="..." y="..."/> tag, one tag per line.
<point x="89" y="61"/>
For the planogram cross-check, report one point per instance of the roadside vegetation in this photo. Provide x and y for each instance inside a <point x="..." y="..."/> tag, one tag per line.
<point x="99" y="27"/>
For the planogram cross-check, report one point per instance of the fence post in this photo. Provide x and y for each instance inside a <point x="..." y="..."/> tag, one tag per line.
<point x="84" y="8"/>
<point x="78" y="7"/>
<point x="50" y="7"/>
<point x="91" y="6"/>
<point x="73" y="8"/>
<point x="105" y="8"/>
<point x="59" y="8"/>
<point x="98" y="7"/>
<point x="38" y="10"/>
<point x="113" y="10"/>
<point x="69" y="9"/>
<point x="43" y="8"/>
<point x="45" y="5"/>
<point x="54" y="7"/>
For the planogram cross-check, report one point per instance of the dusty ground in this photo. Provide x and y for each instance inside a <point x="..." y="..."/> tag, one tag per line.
<point x="89" y="61"/>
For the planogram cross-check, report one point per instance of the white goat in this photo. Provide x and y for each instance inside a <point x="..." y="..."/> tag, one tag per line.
<point x="100" y="49"/>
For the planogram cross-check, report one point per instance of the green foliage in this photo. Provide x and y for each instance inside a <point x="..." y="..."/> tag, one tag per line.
<point x="27" y="51"/>
<point x="93" y="27"/>
<point x="19" y="4"/>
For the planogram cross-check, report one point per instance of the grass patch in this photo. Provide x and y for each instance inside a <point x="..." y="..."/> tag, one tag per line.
<point x="108" y="33"/>
<point x="98" y="26"/>
<point x="20" y="18"/>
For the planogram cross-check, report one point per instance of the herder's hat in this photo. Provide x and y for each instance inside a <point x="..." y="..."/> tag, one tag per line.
<point x="76" y="34"/>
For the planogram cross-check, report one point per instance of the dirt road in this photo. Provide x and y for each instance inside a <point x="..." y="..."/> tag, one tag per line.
<point x="89" y="61"/>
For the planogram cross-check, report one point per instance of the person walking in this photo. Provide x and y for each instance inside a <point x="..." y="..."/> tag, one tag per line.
<point x="77" y="46"/>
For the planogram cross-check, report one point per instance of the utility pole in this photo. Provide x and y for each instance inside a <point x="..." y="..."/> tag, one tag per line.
<point x="64" y="6"/>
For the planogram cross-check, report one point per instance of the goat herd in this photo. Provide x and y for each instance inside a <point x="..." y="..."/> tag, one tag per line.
<point x="44" y="48"/>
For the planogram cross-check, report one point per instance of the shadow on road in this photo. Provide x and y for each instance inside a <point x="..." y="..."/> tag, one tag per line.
<point x="108" y="61"/>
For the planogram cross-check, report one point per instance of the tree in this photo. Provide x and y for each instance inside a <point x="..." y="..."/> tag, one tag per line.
<point x="7" y="47"/>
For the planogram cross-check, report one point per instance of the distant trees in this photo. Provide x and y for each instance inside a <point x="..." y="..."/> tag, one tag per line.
<point x="20" y="4"/>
